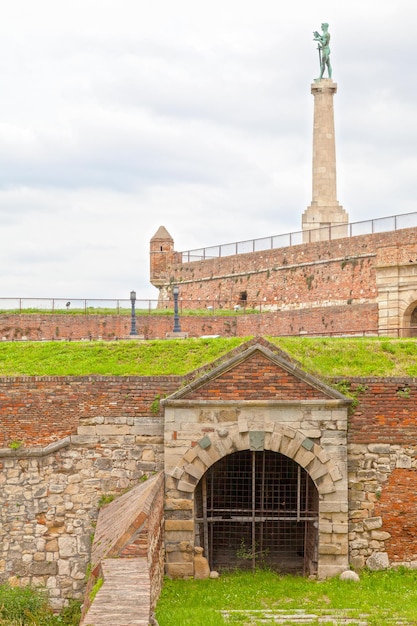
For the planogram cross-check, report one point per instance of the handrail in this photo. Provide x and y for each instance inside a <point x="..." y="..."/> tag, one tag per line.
<point x="352" y="229"/>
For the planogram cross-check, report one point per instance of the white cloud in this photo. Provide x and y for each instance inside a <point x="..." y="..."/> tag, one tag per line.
<point x="117" y="117"/>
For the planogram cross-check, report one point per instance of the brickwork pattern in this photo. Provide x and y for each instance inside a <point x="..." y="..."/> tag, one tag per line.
<point x="256" y="378"/>
<point x="386" y="411"/>
<point x="319" y="319"/>
<point x="39" y="410"/>
<point x="318" y="273"/>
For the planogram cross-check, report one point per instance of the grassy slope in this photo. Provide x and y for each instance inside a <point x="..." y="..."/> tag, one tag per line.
<point x="325" y="357"/>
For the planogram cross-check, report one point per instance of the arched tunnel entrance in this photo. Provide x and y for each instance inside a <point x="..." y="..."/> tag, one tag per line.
<point x="258" y="509"/>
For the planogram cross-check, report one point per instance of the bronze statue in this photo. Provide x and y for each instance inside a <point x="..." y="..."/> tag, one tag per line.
<point x="324" y="50"/>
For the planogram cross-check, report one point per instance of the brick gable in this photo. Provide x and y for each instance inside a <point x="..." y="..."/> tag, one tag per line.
<point x="257" y="374"/>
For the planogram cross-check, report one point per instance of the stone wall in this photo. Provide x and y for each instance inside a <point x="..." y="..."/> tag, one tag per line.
<point x="49" y="498"/>
<point x="382" y="459"/>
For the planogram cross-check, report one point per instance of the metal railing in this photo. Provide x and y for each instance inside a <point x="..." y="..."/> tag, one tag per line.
<point x="74" y="306"/>
<point x="367" y="227"/>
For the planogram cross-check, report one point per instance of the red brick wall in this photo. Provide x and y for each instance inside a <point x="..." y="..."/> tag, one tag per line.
<point x="323" y="272"/>
<point x="321" y="320"/>
<point x="386" y="411"/>
<point x="398" y="508"/>
<point x="267" y="383"/>
<point x="39" y="410"/>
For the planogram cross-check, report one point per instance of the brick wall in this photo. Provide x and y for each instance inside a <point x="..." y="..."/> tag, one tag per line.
<point x="326" y="272"/>
<point x="318" y="319"/>
<point x="382" y="458"/>
<point x="39" y="410"/>
<point x="266" y="383"/>
<point x="386" y="411"/>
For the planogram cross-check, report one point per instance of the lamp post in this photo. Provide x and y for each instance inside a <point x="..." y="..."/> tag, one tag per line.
<point x="177" y="327"/>
<point x="133" y="316"/>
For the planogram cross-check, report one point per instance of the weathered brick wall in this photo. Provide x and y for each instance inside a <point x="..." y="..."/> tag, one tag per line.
<point x="318" y="319"/>
<point x="324" y="273"/>
<point x="39" y="410"/>
<point x="265" y="384"/>
<point x="386" y="411"/>
<point x="382" y="457"/>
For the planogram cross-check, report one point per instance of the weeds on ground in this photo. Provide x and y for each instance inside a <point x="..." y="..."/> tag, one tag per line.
<point x="26" y="606"/>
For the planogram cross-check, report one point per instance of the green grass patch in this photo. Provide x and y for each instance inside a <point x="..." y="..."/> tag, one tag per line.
<point x="331" y="357"/>
<point x="324" y="357"/>
<point x="26" y="606"/>
<point x="116" y="358"/>
<point x="383" y="597"/>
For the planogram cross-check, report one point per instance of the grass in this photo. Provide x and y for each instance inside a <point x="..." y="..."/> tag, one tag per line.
<point x="331" y="357"/>
<point x="21" y="606"/>
<point x="383" y="597"/>
<point x="324" y="357"/>
<point x="117" y="358"/>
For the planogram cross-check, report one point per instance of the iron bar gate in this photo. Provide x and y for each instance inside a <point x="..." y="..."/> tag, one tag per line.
<point x="257" y="509"/>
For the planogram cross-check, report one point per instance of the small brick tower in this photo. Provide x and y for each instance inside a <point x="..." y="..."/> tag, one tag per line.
<point x="161" y="256"/>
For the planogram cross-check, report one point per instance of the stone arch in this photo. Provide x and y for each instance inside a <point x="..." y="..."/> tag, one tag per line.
<point x="409" y="317"/>
<point x="284" y="440"/>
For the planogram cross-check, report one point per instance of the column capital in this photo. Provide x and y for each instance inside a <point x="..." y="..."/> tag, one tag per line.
<point x="322" y="85"/>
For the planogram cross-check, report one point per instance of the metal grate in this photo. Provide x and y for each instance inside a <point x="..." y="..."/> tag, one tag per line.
<point x="257" y="509"/>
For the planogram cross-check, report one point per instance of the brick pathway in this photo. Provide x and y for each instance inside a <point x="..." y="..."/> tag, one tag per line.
<point x="123" y="599"/>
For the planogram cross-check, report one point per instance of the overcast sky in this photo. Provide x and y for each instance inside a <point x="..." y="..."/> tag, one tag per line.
<point x="118" y="116"/>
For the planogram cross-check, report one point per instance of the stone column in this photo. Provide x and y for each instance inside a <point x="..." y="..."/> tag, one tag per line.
<point x="324" y="213"/>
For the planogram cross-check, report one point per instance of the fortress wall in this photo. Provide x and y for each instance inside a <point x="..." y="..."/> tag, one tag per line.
<point x="315" y="319"/>
<point x="383" y="472"/>
<point x="48" y="498"/>
<point x="41" y="410"/>
<point x="326" y="272"/>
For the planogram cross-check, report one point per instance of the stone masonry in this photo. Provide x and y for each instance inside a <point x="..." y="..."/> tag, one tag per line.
<point x="85" y="438"/>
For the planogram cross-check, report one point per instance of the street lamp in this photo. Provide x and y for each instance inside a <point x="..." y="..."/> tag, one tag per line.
<point x="133" y="316"/>
<point x="177" y="327"/>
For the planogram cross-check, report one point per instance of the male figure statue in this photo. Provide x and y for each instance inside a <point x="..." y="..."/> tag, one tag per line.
<point x="324" y="50"/>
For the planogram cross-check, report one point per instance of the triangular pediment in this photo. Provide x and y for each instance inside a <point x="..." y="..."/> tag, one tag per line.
<point x="260" y="371"/>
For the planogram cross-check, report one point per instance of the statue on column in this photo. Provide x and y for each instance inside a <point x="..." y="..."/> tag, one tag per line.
<point x="324" y="50"/>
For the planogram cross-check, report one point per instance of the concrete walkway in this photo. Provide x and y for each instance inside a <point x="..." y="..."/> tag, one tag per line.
<point x="123" y="599"/>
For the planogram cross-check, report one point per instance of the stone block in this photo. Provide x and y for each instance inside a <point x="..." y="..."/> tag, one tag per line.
<point x="303" y="457"/>
<point x="67" y="546"/>
<point x="380" y="535"/>
<point x="330" y="548"/>
<point x="243" y="425"/>
<point x="340" y="529"/>
<point x="372" y="523"/>
<point x="86" y="430"/>
<point x="179" y="525"/>
<point x="180" y="504"/>
<point x="378" y="561"/>
<point x="180" y="570"/>
<point x="404" y="462"/>
<point x="44" y="568"/>
<point x="112" y="430"/>
<point x="194" y="471"/>
<point x="185" y="486"/>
